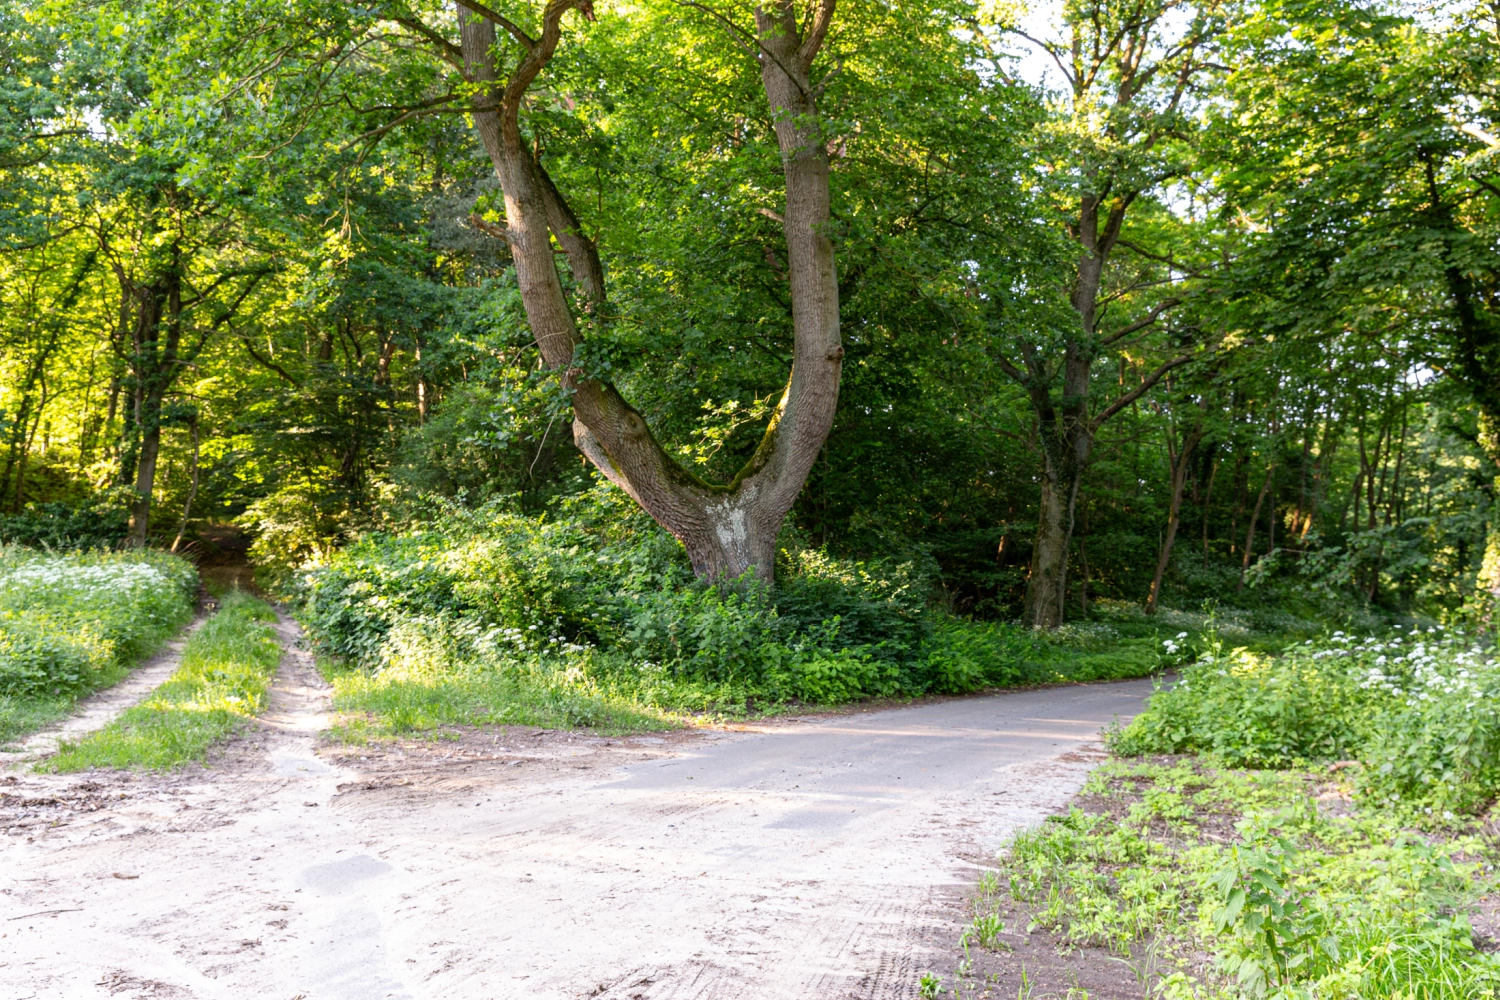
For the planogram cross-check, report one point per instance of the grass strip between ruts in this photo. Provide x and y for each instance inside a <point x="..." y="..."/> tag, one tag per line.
<point x="226" y="671"/>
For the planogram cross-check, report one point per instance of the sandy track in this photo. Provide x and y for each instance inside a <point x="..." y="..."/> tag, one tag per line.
<point x="100" y="709"/>
<point x="808" y="859"/>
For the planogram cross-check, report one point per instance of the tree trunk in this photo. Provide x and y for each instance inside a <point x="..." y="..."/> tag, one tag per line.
<point x="727" y="530"/>
<point x="1047" y="578"/>
<point x="145" y="472"/>
<point x="154" y="363"/>
<point x="1265" y="487"/>
<point x="1489" y="570"/>
<point x="187" y="506"/>
<point x="1208" y="495"/>
<point x="1179" y="478"/>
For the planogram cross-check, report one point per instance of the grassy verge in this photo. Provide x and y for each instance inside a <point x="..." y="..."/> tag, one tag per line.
<point x="436" y="672"/>
<point x="591" y="615"/>
<point x="1192" y="881"/>
<point x="1317" y="823"/>
<point x="386" y="705"/>
<point x="73" y="623"/>
<point x="225" y="675"/>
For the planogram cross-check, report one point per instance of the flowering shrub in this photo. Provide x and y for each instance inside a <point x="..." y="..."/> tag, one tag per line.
<point x="66" y="621"/>
<point x="1417" y="710"/>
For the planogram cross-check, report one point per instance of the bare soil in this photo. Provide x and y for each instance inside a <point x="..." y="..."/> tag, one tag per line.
<point x="823" y="858"/>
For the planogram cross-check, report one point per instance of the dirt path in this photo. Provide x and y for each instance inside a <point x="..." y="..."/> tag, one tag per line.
<point x="810" y="859"/>
<point x="100" y="709"/>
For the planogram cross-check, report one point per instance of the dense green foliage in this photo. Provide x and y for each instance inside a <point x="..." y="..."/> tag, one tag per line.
<point x="591" y="615"/>
<point x="70" y="624"/>
<point x="285" y="270"/>
<point x="1417" y="713"/>
<point x="224" y="678"/>
<point x="1236" y="884"/>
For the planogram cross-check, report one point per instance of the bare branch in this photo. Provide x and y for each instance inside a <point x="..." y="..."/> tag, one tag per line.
<point x="262" y="361"/>
<point x="1141" y="324"/>
<point x="1051" y="51"/>
<point x="446" y="49"/>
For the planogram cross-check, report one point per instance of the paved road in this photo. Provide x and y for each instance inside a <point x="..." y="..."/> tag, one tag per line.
<point x="806" y="860"/>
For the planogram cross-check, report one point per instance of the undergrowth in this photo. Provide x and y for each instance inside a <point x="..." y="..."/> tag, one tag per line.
<point x="1224" y="883"/>
<point x="224" y="677"/>
<point x="73" y="623"/>
<point x="1325" y="838"/>
<point x="591" y="616"/>
<point x="1415" y="714"/>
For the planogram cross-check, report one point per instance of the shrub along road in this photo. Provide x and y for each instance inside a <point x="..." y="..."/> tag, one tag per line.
<point x="816" y="857"/>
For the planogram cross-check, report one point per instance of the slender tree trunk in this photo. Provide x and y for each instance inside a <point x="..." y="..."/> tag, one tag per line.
<point x="1179" y="478"/>
<point x="20" y="497"/>
<point x="1208" y="495"/>
<point x="1321" y="465"/>
<point x="1488" y="582"/>
<point x="1083" y="558"/>
<point x="1265" y="487"/>
<point x="145" y="472"/>
<point x="154" y="367"/>
<point x="1271" y="518"/>
<point x="187" y="507"/>
<point x="726" y="530"/>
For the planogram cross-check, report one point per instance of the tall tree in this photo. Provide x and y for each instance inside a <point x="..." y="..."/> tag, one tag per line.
<point x="731" y="528"/>
<point x="1132" y="69"/>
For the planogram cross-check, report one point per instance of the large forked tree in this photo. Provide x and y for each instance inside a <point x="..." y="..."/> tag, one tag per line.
<point x="727" y="529"/>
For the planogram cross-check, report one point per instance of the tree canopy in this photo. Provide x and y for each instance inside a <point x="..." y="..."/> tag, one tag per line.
<point x="1181" y="300"/>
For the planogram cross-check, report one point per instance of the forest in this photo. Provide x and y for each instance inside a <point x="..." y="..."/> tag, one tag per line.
<point x="1159" y="302"/>
<point x="610" y="367"/>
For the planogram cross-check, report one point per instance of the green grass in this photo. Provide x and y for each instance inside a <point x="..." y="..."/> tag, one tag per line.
<point x="1297" y="901"/>
<point x="225" y="675"/>
<point x="22" y="715"/>
<point x="425" y="696"/>
<point x="73" y="623"/>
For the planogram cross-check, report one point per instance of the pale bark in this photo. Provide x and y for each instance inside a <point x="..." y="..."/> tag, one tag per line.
<point x="730" y="529"/>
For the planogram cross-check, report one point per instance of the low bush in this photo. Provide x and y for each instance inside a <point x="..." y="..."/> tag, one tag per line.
<point x="595" y="605"/>
<point x="225" y="674"/>
<point x="1415" y="713"/>
<point x="1216" y="883"/>
<point x="70" y="624"/>
<point x="99" y="523"/>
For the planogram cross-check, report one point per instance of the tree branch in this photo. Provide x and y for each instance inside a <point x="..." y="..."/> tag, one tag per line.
<point x="813" y="41"/>
<point x="265" y="362"/>
<point x="1141" y="324"/>
<point x="446" y="49"/>
<point x="1147" y="384"/>
<point x="514" y="30"/>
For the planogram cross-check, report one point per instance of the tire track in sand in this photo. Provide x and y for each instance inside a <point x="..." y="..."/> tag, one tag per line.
<point x="806" y="859"/>
<point x="103" y="707"/>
